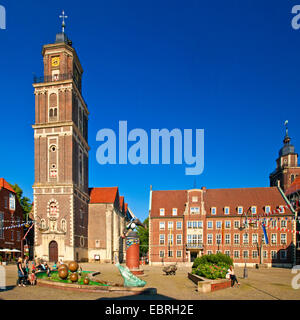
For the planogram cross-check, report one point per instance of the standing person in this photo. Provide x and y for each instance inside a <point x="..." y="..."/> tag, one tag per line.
<point x="20" y="273"/>
<point x="26" y="269"/>
<point x="232" y="276"/>
<point x="32" y="278"/>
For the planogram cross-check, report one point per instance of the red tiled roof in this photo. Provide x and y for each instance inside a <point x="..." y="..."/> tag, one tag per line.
<point x="168" y="200"/>
<point x="126" y="207"/>
<point x="244" y="197"/>
<point x="121" y="203"/>
<point x="4" y="184"/>
<point x="220" y="198"/>
<point x="103" y="195"/>
<point x="294" y="187"/>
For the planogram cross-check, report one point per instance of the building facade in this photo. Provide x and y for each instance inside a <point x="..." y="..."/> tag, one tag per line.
<point x="11" y="216"/>
<point x="107" y="223"/>
<point x="61" y="194"/>
<point x="186" y="224"/>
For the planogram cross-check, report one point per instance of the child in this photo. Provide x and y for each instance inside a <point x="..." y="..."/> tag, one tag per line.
<point x="32" y="278"/>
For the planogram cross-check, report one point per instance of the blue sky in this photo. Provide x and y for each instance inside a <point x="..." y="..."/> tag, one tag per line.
<point x="228" y="67"/>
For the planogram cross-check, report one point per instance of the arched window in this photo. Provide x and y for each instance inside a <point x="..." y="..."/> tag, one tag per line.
<point x="53" y="211"/>
<point x="64" y="225"/>
<point x="292" y="178"/>
<point x="43" y="224"/>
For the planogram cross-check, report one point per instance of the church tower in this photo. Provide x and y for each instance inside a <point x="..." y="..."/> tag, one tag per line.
<point x="61" y="155"/>
<point x="287" y="165"/>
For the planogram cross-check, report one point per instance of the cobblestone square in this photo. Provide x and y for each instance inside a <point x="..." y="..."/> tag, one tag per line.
<point x="261" y="284"/>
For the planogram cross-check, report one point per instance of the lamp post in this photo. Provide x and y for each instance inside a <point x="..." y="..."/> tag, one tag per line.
<point x="244" y="227"/>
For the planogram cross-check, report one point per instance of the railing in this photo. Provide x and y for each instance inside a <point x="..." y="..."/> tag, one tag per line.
<point x="53" y="78"/>
<point x="58" y="77"/>
<point x="194" y="246"/>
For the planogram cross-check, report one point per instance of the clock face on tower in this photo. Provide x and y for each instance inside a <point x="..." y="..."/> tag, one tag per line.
<point x="55" y="61"/>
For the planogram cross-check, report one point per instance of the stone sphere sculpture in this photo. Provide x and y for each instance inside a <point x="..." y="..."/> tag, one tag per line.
<point x="63" y="273"/>
<point x="62" y="266"/>
<point x="73" y="266"/>
<point x="74" y="277"/>
<point x="86" y="281"/>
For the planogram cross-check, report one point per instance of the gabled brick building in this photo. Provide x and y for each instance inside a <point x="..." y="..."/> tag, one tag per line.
<point x="11" y="215"/>
<point x="186" y="224"/>
<point x="107" y="222"/>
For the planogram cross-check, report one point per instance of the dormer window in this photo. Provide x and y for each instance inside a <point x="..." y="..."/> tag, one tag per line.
<point x="267" y="209"/>
<point x="240" y="210"/>
<point x="213" y="210"/>
<point x="162" y="211"/>
<point x="174" y="211"/>
<point x="281" y="209"/>
<point x="253" y="209"/>
<point x="226" y="210"/>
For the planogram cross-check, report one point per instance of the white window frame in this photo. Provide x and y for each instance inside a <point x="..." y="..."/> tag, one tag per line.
<point x="227" y="238"/>
<point x="227" y="223"/>
<point x="274" y="238"/>
<point x="210" y="238"/>
<point x="238" y="210"/>
<point x="162" y="240"/>
<point x="269" y="209"/>
<point x="236" y="254"/>
<point x="213" y="210"/>
<point x="236" y="238"/>
<point x="161" y="253"/>
<point x="178" y="256"/>
<point x="195" y="210"/>
<point x="218" y="224"/>
<point x="227" y="209"/>
<point x="281" y="235"/>
<point x="170" y="225"/>
<point x="180" y="228"/>
<point x="236" y="221"/>
<point x="254" y="208"/>
<point x="162" y="226"/>
<point x="194" y="199"/>
<point x="162" y="211"/>
<point x="179" y="237"/>
<point x="254" y="238"/>
<point x="174" y="211"/>
<point x="212" y="225"/>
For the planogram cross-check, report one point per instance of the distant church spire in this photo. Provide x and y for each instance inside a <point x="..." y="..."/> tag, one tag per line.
<point x="287" y="139"/>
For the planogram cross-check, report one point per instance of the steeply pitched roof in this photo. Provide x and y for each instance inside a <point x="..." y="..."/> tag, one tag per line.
<point x="168" y="200"/>
<point x="244" y="197"/>
<point x="121" y="203"/>
<point x="294" y="187"/>
<point x="220" y="198"/>
<point x="4" y="184"/>
<point x="103" y="195"/>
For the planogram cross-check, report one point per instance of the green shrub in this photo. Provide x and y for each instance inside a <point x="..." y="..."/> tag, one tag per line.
<point x="216" y="259"/>
<point x="212" y="271"/>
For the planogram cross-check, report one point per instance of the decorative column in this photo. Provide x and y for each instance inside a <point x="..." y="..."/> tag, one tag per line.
<point x="133" y="253"/>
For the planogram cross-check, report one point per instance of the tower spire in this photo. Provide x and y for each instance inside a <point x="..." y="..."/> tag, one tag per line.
<point x="63" y="17"/>
<point x="287" y="139"/>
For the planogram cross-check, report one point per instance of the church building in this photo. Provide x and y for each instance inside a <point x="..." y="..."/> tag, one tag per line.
<point x="66" y="220"/>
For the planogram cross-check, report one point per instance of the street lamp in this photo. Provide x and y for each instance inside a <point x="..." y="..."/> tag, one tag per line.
<point x="245" y="225"/>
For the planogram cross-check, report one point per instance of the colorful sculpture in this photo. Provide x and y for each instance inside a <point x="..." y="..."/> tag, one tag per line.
<point x="130" y="280"/>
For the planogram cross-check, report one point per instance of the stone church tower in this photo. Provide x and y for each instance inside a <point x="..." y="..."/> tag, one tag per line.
<point x="61" y="194"/>
<point x="287" y="165"/>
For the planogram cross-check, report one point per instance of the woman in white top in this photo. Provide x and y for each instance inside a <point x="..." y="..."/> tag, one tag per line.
<point x="232" y="276"/>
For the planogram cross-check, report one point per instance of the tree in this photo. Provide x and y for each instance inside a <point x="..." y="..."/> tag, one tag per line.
<point x="144" y="237"/>
<point x="24" y="201"/>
